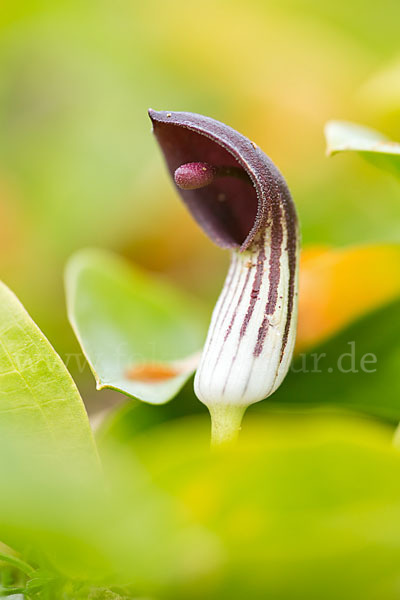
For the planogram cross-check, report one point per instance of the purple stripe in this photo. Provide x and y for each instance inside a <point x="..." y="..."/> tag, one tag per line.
<point x="228" y="331"/>
<point x="227" y="288"/>
<point x="230" y="279"/>
<point x="255" y="292"/>
<point x="273" y="276"/>
<point x="291" y="248"/>
<point x="254" y="295"/>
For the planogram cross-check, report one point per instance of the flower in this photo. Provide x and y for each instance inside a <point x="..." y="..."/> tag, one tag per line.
<point x="242" y="202"/>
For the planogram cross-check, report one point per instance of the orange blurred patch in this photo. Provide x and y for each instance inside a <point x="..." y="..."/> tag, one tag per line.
<point x="338" y="286"/>
<point x="151" y="372"/>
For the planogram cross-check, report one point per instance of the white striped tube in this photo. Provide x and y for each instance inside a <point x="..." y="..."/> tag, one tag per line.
<point x="251" y="338"/>
<point x="248" y="351"/>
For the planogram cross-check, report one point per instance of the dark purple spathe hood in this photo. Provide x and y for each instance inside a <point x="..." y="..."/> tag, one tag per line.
<point x="231" y="210"/>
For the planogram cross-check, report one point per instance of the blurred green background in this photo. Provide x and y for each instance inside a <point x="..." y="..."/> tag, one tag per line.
<point x="79" y="167"/>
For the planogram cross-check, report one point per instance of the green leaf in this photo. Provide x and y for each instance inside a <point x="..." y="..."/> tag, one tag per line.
<point x="304" y="507"/>
<point x="343" y="136"/>
<point x="140" y="336"/>
<point x="358" y="370"/>
<point x="17" y="563"/>
<point x="307" y="496"/>
<point x="116" y="529"/>
<point x="38" y="397"/>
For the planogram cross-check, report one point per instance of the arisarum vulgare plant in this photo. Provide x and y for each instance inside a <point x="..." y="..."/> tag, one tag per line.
<point x="243" y="204"/>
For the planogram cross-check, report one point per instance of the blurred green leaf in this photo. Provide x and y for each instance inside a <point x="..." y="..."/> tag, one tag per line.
<point x="12" y="593"/>
<point x="17" y="563"/>
<point x="37" y="395"/>
<point x="119" y="529"/>
<point x="342" y="136"/>
<point x="138" y="334"/>
<point x="305" y="496"/>
<point x="358" y="369"/>
<point x="305" y="508"/>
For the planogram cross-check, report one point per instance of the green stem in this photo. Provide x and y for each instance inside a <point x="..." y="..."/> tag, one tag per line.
<point x="225" y="423"/>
